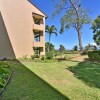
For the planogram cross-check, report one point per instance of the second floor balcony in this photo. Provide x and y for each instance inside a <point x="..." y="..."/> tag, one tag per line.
<point x="38" y="44"/>
<point x="38" y="27"/>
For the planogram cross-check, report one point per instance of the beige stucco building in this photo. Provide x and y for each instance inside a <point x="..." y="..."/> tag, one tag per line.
<point x="22" y="29"/>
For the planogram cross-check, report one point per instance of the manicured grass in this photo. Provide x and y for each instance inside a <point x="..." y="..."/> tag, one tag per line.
<point x="77" y="81"/>
<point x="26" y="85"/>
<point x="68" y="56"/>
<point x="42" y="81"/>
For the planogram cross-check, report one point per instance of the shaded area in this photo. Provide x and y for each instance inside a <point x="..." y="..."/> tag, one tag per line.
<point x="88" y="72"/>
<point x="6" y="49"/>
<point x="26" y="85"/>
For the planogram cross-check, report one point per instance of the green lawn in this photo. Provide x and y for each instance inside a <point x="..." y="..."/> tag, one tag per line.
<point x="68" y="56"/>
<point x="68" y="80"/>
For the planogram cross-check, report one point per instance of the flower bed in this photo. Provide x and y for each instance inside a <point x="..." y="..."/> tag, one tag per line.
<point x="5" y="75"/>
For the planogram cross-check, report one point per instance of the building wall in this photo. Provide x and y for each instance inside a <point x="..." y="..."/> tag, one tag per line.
<point x="18" y="21"/>
<point x="6" y="49"/>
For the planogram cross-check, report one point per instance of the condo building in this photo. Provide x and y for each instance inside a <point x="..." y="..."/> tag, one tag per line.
<point x="22" y="29"/>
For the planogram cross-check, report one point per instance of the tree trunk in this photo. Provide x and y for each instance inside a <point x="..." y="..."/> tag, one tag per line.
<point x="49" y="43"/>
<point x="77" y="25"/>
<point x="80" y="41"/>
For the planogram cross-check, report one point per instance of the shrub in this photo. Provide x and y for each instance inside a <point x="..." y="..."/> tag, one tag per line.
<point x="4" y="70"/>
<point x="2" y="83"/>
<point x="4" y="65"/>
<point x="49" y="55"/>
<point x="43" y="58"/>
<point x="94" y="55"/>
<point x="4" y="73"/>
<point x="34" y="56"/>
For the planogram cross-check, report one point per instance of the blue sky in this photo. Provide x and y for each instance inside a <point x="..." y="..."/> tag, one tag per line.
<point x="69" y="38"/>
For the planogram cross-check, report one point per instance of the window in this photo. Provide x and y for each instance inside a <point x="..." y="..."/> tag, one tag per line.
<point x="37" y="21"/>
<point x="36" y="36"/>
<point x="37" y="50"/>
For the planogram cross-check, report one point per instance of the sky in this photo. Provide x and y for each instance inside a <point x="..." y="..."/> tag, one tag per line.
<point x="69" y="38"/>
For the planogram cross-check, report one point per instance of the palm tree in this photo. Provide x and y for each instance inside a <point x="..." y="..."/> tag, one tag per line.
<point x="50" y="30"/>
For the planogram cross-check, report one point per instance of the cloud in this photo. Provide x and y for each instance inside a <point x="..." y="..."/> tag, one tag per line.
<point x="93" y="44"/>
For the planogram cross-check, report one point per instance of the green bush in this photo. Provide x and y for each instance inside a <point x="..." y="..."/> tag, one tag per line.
<point x="4" y="70"/>
<point x="2" y="83"/>
<point x="4" y="73"/>
<point x="34" y="56"/>
<point x="49" y="55"/>
<point x="94" y="55"/>
<point x="43" y="58"/>
<point x="4" y="65"/>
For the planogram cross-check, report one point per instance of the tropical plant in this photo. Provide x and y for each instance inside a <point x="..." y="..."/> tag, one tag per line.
<point x="62" y="48"/>
<point x="49" y="46"/>
<point x="96" y="30"/>
<point x="50" y="30"/>
<point x="75" y="16"/>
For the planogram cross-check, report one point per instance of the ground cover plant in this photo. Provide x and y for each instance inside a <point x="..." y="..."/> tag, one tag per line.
<point x="4" y="74"/>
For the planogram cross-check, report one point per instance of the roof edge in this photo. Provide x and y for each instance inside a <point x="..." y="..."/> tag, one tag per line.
<point x="38" y="8"/>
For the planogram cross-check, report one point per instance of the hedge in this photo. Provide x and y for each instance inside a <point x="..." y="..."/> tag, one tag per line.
<point x="94" y="55"/>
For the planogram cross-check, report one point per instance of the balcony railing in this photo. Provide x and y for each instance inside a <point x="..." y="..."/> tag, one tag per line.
<point x="38" y="44"/>
<point x="38" y="27"/>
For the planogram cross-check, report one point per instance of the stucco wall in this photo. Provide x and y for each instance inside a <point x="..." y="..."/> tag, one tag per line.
<point x="17" y="16"/>
<point x="6" y="50"/>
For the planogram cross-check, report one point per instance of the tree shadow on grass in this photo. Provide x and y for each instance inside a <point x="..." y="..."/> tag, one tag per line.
<point x="26" y="85"/>
<point x="88" y="72"/>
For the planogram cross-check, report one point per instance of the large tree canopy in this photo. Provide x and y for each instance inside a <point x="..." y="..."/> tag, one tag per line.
<point x="96" y="24"/>
<point x="96" y="30"/>
<point x="74" y="16"/>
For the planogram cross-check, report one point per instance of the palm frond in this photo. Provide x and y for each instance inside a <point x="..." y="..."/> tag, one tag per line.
<point x="55" y="33"/>
<point x="51" y="29"/>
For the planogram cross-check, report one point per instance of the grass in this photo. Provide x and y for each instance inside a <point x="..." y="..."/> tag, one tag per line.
<point x="68" y="80"/>
<point x="88" y="72"/>
<point x="26" y="85"/>
<point x="68" y="56"/>
<point x="71" y="78"/>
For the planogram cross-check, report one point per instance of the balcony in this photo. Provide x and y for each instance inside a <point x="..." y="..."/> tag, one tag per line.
<point x="38" y="27"/>
<point x="38" y="44"/>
